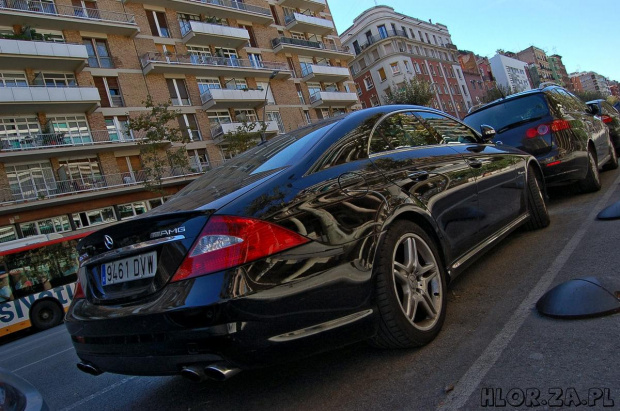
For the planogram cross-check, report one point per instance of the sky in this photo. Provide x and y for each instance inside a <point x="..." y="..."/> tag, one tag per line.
<point x="587" y="37"/>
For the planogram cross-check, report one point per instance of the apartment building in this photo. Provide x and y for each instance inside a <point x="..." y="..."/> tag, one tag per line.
<point x="485" y="71"/>
<point x="72" y="72"/>
<point x="510" y="73"/>
<point x="592" y="82"/>
<point x="558" y="71"/>
<point x="537" y="57"/>
<point x="473" y="77"/>
<point x="391" y="47"/>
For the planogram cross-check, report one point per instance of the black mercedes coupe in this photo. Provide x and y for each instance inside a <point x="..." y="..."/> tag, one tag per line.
<point x="345" y="230"/>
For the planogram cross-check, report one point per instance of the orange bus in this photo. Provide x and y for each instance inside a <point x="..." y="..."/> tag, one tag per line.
<point x="37" y="279"/>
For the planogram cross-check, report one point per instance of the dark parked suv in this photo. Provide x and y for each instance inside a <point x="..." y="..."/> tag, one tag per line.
<point x="610" y="116"/>
<point x="561" y="131"/>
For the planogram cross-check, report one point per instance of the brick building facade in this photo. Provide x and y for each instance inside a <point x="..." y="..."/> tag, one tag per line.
<point x="73" y="72"/>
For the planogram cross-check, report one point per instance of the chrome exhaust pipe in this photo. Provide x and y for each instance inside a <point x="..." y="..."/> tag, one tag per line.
<point x="220" y="371"/>
<point x="193" y="373"/>
<point x="89" y="368"/>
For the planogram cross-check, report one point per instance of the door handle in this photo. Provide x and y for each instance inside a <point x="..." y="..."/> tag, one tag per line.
<point x="474" y="163"/>
<point x="418" y="175"/>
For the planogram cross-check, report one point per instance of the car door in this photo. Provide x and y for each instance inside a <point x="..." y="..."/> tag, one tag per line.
<point x="498" y="180"/>
<point x="430" y="174"/>
<point x="598" y="130"/>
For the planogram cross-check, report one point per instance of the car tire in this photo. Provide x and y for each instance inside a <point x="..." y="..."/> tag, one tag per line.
<point x="612" y="164"/>
<point x="592" y="181"/>
<point x="536" y="202"/>
<point x="45" y="314"/>
<point x="410" y="288"/>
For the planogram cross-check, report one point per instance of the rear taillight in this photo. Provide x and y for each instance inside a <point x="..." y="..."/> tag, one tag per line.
<point x="545" y="128"/>
<point x="78" y="293"/>
<point x="228" y="241"/>
<point x="607" y="119"/>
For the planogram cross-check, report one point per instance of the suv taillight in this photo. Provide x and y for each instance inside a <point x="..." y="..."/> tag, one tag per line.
<point x="545" y="128"/>
<point x="229" y="241"/>
<point x="606" y="119"/>
<point x="78" y="292"/>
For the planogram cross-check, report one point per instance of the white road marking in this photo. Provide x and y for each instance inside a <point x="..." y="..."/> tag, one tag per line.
<point x="97" y="394"/>
<point x="479" y="369"/>
<point x="42" y="359"/>
<point x="19" y="345"/>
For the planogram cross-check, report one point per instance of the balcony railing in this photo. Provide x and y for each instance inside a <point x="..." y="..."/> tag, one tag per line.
<point x="307" y="43"/>
<point x="41" y="189"/>
<point x="40" y="7"/>
<point x="378" y="37"/>
<point x="201" y="60"/>
<point x="236" y="5"/>
<point x="58" y="140"/>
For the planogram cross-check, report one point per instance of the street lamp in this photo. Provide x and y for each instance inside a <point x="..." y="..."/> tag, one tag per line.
<point x="271" y="77"/>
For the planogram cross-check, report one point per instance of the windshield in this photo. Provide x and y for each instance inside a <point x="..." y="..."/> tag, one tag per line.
<point x="509" y="113"/>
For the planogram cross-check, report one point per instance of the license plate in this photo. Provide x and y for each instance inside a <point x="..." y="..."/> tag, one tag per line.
<point x="129" y="269"/>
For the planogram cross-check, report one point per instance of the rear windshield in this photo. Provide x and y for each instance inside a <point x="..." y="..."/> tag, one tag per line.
<point x="261" y="160"/>
<point x="509" y="113"/>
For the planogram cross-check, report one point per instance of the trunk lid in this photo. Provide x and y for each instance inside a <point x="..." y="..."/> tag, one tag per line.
<point x="134" y="259"/>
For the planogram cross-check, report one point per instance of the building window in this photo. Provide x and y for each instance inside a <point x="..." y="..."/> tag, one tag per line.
<point x="407" y="66"/>
<point x="118" y="128"/>
<point x="158" y="23"/>
<point x="368" y="82"/>
<point x="382" y="31"/>
<point x="291" y="66"/>
<point x="13" y="80"/>
<point x="417" y="67"/>
<point x="94" y="217"/>
<point x="300" y="94"/>
<point x="131" y="210"/>
<point x="395" y="68"/>
<point x="307" y="117"/>
<point x="51" y="225"/>
<point x="374" y="101"/>
<point x="246" y="115"/>
<point x="31" y="180"/>
<point x="71" y="129"/>
<point x="7" y="233"/>
<point x="189" y="127"/>
<point x="178" y="92"/>
<point x="219" y="117"/>
<point x="55" y="80"/>
<point x="98" y="53"/>
<point x="109" y="91"/>
<point x="432" y="69"/>
<point x="250" y="30"/>
<point x="382" y="75"/>
<point x="411" y="32"/>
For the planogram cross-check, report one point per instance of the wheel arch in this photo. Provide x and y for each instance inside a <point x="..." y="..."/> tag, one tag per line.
<point x="426" y="222"/>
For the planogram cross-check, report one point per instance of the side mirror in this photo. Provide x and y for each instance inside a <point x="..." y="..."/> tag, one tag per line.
<point x="488" y="133"/>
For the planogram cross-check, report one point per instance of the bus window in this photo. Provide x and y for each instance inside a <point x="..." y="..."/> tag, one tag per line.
<point x="6" y="293"/>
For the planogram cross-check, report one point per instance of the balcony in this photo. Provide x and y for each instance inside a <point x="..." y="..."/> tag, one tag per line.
<point x="220" y="130"/>
<point x="199" y="33"/>
<point x="62" y="17"/>
<point x="315" y="72"/>
<point x="308" y="24"/>
<point x="34" y="99"/>
<point x="33" y="146"/>
<point x="224" y="9"/>
<point x="370" y="40"/>
<point x="227" y="98"/>
<point x="94" y="186"/>
<point x="314" y="5"/>
<point x="310" y="48"/>
<point x="23" y="54"/>
<point x="332" y="98"/>
<point x="193" y="64"/>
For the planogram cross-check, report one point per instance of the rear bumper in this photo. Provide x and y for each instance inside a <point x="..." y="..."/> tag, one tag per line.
<point x="571" y="167"/>
<point x="194" y="322"/>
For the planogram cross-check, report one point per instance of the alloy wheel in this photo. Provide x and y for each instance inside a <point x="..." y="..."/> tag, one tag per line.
<point x="417" y="281"/>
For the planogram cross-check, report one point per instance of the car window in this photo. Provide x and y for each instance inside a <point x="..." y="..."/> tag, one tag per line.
<point x="352" y="146"/>
<point x="447" y="130"/>
<point x="566" y="100"/>
<point x="509" y="112"/>
<point x="400" y="130"/>
<point x="608" y="108"/>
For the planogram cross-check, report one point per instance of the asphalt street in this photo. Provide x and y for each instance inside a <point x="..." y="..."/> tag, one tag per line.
<point x="495" y="350"/>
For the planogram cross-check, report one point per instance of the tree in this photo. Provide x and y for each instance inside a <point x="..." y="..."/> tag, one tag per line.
<point x="247" y="135"/>
<point x="499" y="91"/>
<point x="416" y="91"/>
<point x="156" y="128"/>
